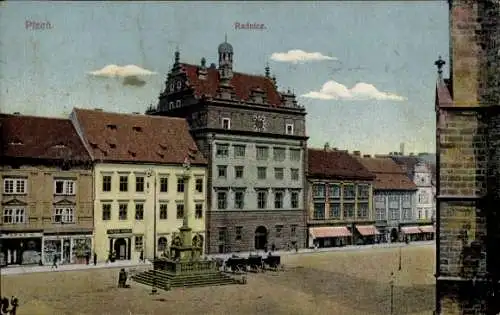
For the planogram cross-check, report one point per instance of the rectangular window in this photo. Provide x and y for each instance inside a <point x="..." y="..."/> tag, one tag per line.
<point x="123" y="183"/>
<point x="64" y="187"/>
<point x="14" y="215"/>
<point x="289" y="129"/>
<point x="222" y="171"/>
<point x="406" y="214"/>
<point x="319" y="211"/>
<point x="279" y="154"/>
<point x="226" y="123"/>
<point x="262" y="153"/>
<point x="334" y="191"/>
<point x="198" y="211"/>
<point x="14" y="186"/>
<point x="122" y="211"/>
<point x="294" y="200"/>
<point x="380" y="201"/>
<point x="239" y="151"/>
<point x="423" y="197"/>
<point x="163" y="211"/>
<point x="348" y="210"/>
<point x="239" y="201"/>
<point x="164" y="184"/>
<point x="278" y="200"/>
<point x="278" y="228"/>
<point x="139" y="184"/>
<point x="278" y="173"/>
<point x="319" y="191"/>
<point x="238" y="171"/>
<point x="180" y="185"/>
<point x="239" y="232"/>
<point x="199" y="185"/>
<point x="221" y="200"/>
<point x="406" y="200"/>
<point x="261" y="172"/>
<point x="419" y="211"/>
<point x="335" y="210"/>
<point x="222" y="150"/>
<point x="106" y="212"/>
<point x="380" y="214"/>
<point x="64" y="215"/>
<point x="106" y="183"/>
<point x="294" y="174"/>
<point x="139" y="211"/>
<point x="180" y="211"/>
<point x="363" y="192"/>
<point x="394" y="214"/>
<point x="293" y="230"/>
<point x="222" y="234"/>
<point x="363" y="210"/>
<point x="138" y="242"/>
<point x="294" y="154"/>
<point x="261" y="199"/>
<point x="349" y="192"/>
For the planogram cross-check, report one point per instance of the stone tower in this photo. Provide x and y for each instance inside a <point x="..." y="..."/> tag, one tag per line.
<point x="468" y="150"/>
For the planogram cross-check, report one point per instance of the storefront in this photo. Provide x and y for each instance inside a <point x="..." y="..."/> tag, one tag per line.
<point x="368" y="234"/>
<point x="69" y="249"/>
<point x="428" y="232"/>
<point x="20" y="248"/>
<point x="329" y="236"/>
<point x="120" y="243"/>
<point x="411" y="233"/>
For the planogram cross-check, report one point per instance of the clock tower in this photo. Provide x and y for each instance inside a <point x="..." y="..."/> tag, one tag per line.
<point x="254" y="139"/>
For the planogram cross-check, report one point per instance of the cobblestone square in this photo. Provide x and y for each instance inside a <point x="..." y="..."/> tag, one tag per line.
<point x="341" y="282"/>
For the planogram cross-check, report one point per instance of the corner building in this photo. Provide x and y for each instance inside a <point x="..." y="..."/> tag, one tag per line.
<point x="254" y="138"/>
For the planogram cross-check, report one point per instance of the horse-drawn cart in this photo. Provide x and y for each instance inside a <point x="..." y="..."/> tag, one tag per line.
<point x="273" y="262"/>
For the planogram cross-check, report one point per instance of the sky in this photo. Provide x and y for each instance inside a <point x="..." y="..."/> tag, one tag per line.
<point x="363" y="70"/>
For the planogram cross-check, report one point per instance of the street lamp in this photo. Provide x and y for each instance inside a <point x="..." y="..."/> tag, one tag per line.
<point x="150" y="174"/>
<point x="400" y="256"/>
<point x="392" y="293"/>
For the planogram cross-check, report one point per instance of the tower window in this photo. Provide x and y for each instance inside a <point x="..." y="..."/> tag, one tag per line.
<point x="179" y="85"/>
<point x="177" y="103"/>
<point x="226" y="123"/>
<point x="171" y="87"/>
<point x="170" y="105"/>
<point x="289" y="129"/>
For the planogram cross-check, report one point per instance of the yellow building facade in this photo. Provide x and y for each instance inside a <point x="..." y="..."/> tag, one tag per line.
<point x="130" y="197"/>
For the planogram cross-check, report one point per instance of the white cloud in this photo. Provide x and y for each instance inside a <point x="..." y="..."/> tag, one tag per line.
<point x="332" y="90"/>
<point x="297" y="55"/>
<point x="121" y="71"/>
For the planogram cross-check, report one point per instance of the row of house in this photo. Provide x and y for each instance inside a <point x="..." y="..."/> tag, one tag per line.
<point x="227" y="148"/>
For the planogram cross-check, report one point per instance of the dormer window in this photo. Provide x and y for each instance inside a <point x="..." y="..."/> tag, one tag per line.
<point x="171" y="87"/>
<point x="111" y="126"/>
<point x="226" y="123"/>
<point x="137" y="129"/>
<point x="289" y="129"/>
<point x="112" y="145"/>
<point x="177" y="103"/>
<point x="179" y="85"/>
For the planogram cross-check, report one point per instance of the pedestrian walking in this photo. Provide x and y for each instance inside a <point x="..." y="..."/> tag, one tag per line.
<point x="95" y="259"/>
<point x="87" y="258"/>
<point x="141" y="256"/>
<point x="54" y="262"/>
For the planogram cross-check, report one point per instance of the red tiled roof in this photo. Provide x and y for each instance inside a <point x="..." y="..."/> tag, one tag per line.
<point x="137" y="138"/>
<point x="41" y="138"/>
<point x="336" y="165"/>
<point x="390" y="176"/>
<point x="243" y="84"/>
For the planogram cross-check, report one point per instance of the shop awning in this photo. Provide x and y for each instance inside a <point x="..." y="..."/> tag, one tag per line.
<point x="410" y="230"/>
<point x="330" y="231"/>
<point x="427" y="229"/>
<point x="367" y="230"/>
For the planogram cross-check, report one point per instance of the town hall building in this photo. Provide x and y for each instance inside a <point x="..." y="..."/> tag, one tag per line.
<point x="254" y="139"/>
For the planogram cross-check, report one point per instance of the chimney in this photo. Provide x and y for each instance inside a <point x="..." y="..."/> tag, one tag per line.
<point x="367" y="156"/>
<point x="412" y="154"/>
<point x="326" y="147"/>
<point x="213" y="66"/>
<point x="98" y="109"/>
<point x="335" y="149"/>
<point x="17" y="113"/>
<point x="136" y="113"/>
<point x="356" y="153"/>
<point x="402" y="148"/>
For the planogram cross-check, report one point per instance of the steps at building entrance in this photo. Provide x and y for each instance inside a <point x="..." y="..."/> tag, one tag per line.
<point x="176" y="281"/>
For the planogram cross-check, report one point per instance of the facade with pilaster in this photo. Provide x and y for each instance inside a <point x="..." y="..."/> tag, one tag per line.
<point x="140" y="187"/>
<point x="255" y="140"/>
